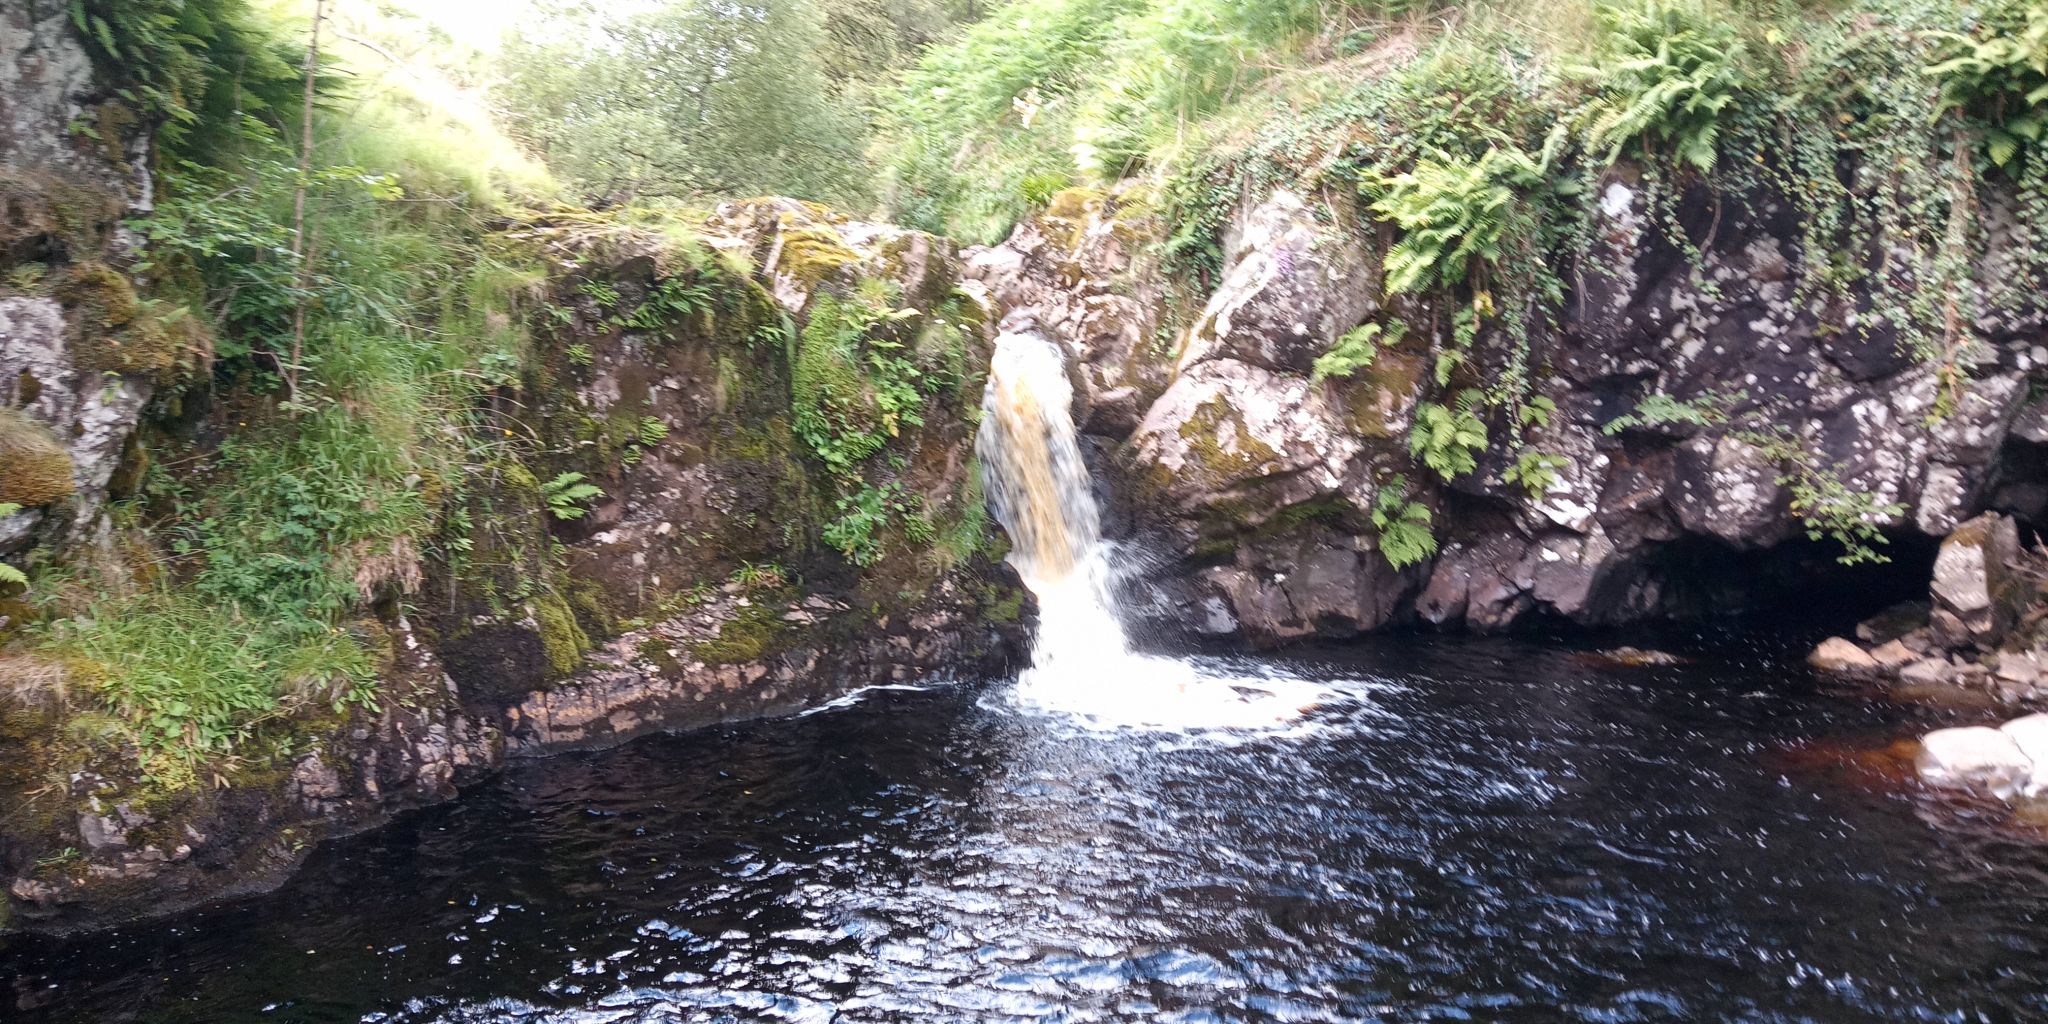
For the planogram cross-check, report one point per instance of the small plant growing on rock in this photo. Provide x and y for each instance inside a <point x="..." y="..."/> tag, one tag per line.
<point x="2001" y="82"/>
<point x="1403" y="525"/>
<point x="1826" y="504"/>
<point x="1355" y="350"/>
<point x="9" y="575"/>
<point x="1705" y="410"/>
<point x="1667" y="70"/>
<point x="1454" y="215"/>
<point x="567" y="495"/>
<point x="1535" y="472"/>
<point x="1448" y="438"/>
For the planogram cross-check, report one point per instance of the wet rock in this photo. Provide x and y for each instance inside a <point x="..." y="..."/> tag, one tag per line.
<point x="1893" y="655"/>
<point x="1838" y="655"/>
<point x="1975" y="758"/>
<point x="1976" y="588"/>
<point x="1928" y="672"/>
<point x="1893" y="623"/>
<point x="1634" y="657"/>
<point x="2030" y="735"/>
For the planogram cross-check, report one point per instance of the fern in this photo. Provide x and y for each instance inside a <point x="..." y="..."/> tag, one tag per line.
<point x="650" y="432"/>
<point x="567" y="494"/>
<point x="1706" y="410"/>
<point x="1355" y="351"/>
<point x="1667" y="72"/>
<point x="1452" y="214"/>
<point x="1535" y="472"/>
<point x="2000" y="82"/>
<point x="1403" y="525"/>
<point x="1448" y="438"/>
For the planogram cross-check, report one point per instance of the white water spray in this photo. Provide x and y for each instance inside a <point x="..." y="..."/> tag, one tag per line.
<point x="1081" y="659"/>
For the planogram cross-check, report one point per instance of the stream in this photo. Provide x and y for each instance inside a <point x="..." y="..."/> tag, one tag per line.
<point x="1463" y="830"/>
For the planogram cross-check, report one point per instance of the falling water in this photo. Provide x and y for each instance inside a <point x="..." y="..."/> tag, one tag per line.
<point x="1081" y="659"/>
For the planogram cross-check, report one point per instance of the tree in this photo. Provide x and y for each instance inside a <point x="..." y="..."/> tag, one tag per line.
<point x="693" y="97"/>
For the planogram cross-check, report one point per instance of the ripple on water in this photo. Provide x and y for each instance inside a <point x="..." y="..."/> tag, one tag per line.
<point x="1474" y="831"/>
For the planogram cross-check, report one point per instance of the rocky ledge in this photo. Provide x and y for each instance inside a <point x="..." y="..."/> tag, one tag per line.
<point x="1269" y="488"/>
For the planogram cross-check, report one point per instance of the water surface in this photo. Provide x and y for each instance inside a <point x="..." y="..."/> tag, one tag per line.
<point x="1462" y="831"/>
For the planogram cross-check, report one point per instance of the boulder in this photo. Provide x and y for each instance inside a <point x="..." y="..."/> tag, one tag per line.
<point x="1974" y="758"/>
<point x="1892" y="655"/>
<point x="1292" y="287"/>
<point x="1976" y="585"/>
<point x="1928" y="672"/>
<point x="2030" y="734"/>
<point x="1838" y="655"/>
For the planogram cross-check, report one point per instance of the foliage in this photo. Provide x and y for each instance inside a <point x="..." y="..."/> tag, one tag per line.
<point x="687" y="98"/>
<point x="314" y="517"/>
<point x="2000" y="81"/>
<point x="1044" y="88"/>
<point x="1666" y="71"/>
<point x="862" y="517"/>
<point x="1454" y="214"/>
<point x="1403" y="525"/>
<point x="854" y="385"/>
<point x="567" y="494"/>
<point x="1828" y="506"/>
<point x="1355" y="351"/>
<point x="1535" y="472"/>
<point x="1448" y="438"/>
<point x="1657" y="410"/>
<point x="189" y="683"/>
<point x="208" y="70"/>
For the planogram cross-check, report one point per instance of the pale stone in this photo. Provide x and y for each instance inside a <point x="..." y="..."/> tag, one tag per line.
<point x="1892" y="655"/>
<point x="1838" y="655"/>
<point x="2030" y="734"/>
<point x="1976" y="757"/>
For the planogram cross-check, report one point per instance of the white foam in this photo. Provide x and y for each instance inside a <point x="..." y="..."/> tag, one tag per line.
<point x="1082" y="664"/>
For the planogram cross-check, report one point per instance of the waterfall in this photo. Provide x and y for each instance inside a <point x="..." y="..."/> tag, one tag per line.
<point x="1081" y="659"/>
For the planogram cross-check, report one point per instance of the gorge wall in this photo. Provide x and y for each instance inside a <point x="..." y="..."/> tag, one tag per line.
<point x="1260" y="482"/>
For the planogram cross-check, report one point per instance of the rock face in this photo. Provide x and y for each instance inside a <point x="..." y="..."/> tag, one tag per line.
<point x="1975" y="592"/>
<point x="1260" y="483"/>
<point x="80" y="358"/>
<point x="700" y="586"/>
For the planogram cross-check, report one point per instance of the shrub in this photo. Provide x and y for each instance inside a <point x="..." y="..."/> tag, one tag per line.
<point x="1666" y="72"/>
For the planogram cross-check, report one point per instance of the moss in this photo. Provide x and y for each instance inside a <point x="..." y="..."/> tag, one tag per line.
<point x="42" y="217"/>
<point x="593" y="612"/>
<point x="1381" y="395"/>
<point x="1007" y="608"/>
<point x="1066" y="216"/>
<point x="811" y="255"/>
<point x="34" y="468"/>
<point x="1247" y="456"/>
<point x="560" y="637"/>
<point x="756" y="632"/>
<point x="655" y="651"/>
<point x="118" y="332"/>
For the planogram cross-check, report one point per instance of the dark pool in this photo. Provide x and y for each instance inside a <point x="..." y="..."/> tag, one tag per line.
<point x="1472" y="831"/>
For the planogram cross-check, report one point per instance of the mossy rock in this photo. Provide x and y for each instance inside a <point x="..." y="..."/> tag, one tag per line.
<point x="812" y="255"/>
<point x="561" y="637"/>
<point x="35" y="469"/>
<point x="1219" y="465"/>
<point x="119" y="332"/>
<point x="44" y="219"/>
<point x="756" y="632"/>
